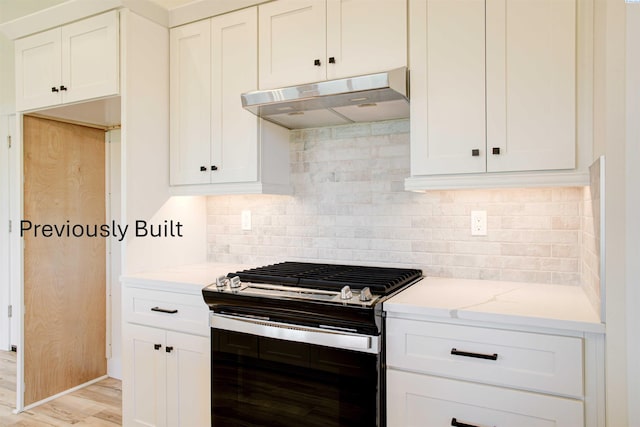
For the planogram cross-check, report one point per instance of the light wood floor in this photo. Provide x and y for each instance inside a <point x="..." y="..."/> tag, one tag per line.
<point x="98" y="405"/>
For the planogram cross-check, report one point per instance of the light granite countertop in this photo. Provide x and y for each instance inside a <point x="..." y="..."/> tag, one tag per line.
<point x="433" y="298"/>
<point x="188" y="279"/>
<point x="513" y="303"/>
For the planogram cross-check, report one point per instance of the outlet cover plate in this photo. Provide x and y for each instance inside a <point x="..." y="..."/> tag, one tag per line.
<point x="245" y="219"/>
<point x="478" y="223"/>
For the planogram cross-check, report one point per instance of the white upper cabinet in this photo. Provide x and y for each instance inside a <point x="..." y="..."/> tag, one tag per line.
<point x="190" y="108"/>
<point x="501" y="103"/>
<point x="214" y="140"/>
<point x="305" y="41"/>
<point x="447" y="86"/>
<point x="234" y="130"/>
<point x="365" y="36"/>
<point x="72" y="63"/>
<point x="292" y="42"/>
<point x="38" y="70"/>
<point x="531" y="81"/>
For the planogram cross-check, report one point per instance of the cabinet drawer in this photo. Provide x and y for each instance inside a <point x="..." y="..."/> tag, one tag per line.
<point x="531" y="361"/>
<point x="166" y="310"/>
<point x="422" y="400"/>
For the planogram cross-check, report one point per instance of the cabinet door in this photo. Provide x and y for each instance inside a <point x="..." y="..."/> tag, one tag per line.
<point x="531" y="55"/>
<point x="90" y="58"/>
<point x="415" y="400"/>
<point x="365" y="36"/>
<point x="144" y="376"/>
<point x="291" y="38"/>
<point x="234" y="130"/>
<point x="188" y="380"/>
<point x="38" y="70"/>
<point x="447" y="86"/>
<point x="190" y="106"/>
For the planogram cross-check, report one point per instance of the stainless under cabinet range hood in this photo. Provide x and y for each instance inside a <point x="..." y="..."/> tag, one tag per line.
<point x="368" y="98"/>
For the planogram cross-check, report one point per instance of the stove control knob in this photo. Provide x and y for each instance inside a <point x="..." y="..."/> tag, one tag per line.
<point x="221" y="282"/>
<point x="345" y="293"/>
<point x="365" y="294"/>
<point x="235" y="282"/>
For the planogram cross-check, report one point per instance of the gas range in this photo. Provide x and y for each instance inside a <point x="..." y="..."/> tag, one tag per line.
<point x="311" y="294"/>
<point x="285" y="334"/>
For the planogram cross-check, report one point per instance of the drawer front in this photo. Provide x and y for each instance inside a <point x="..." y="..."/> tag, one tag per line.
<point x="530" y="361"/>
<point x="421" y="400"/>
<point x="166" y="310"/>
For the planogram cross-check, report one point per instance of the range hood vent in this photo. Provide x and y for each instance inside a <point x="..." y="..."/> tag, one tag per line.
<point x="368" y="98"/>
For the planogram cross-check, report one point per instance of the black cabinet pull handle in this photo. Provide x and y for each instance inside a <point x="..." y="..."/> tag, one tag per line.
<point x="54" y="89"/>
<point x="493" y="356"/>
<point x="62" y="87"/>
<point x="457" y="423"/>
<point x="168" y="349"/>
<point x="203" y="168"/>
<point x="157" y="346"/>
<point x="495" y="150"/>
<point x="316" y="62"/>
<point x="164" y="310"/>
<point x="475" y="152"/>
<point x="214" y="168"/>
<point x="332" y="60"/>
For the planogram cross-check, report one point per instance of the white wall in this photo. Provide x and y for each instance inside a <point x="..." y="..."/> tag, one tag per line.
<point x="4" y="232"/>
<point x="610" y="140"/>
<point x="633" y="209"/>
<point x="145" y="153"/>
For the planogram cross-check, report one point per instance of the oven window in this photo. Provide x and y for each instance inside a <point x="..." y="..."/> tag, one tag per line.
<point x="267" y="382"/>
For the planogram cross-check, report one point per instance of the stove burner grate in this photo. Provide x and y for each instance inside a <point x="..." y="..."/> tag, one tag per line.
<point x="381" y="280"/>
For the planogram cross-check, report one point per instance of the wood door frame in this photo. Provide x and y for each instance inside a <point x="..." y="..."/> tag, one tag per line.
<point x="17" y="259"/>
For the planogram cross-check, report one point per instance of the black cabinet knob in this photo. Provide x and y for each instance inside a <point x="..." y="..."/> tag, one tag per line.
<point x="214" y="168"/>
<point x="316" y="62"/>
<point x="332" y="60"/>
<point x="62" y="87"/>
<point x="495" y="150"/>
<point x="475" y="152"/>
<point x="54" y="89"/>
<point x="203" y="168"/>
<point x="157" y="346"/>
<point x="168" y="349"/>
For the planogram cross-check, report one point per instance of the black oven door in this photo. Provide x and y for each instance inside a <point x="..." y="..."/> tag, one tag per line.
<point x="264" y="381"/>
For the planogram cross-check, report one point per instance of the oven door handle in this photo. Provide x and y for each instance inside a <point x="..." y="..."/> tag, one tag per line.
<point x="289" y="332"/>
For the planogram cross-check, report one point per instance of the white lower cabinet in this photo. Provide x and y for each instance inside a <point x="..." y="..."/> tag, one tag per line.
<point x="424" y="400"/>
<point x="166" y="372"/>
<point x="461" y="375"/>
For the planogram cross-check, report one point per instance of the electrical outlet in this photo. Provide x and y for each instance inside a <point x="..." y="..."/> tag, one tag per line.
<point x="478" y="223"/>
<point x="245" y="220"/>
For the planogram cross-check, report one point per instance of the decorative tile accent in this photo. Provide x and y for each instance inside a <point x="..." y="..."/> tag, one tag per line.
<point x="349" y="206"/>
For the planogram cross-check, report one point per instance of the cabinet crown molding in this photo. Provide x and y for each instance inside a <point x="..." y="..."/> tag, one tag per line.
<point x="74" y="10"/>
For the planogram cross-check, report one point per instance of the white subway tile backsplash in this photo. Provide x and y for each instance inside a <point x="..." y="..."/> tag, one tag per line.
<point x="349" y="206"/>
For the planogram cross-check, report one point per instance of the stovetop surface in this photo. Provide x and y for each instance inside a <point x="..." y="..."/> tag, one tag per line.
<point x="310" y="294"/>
<point x="380" y="280"/>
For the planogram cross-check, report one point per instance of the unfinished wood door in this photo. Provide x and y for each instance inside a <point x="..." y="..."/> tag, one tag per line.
<point x="64" y="276"/>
